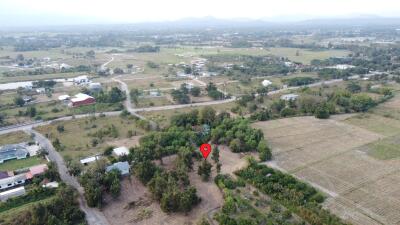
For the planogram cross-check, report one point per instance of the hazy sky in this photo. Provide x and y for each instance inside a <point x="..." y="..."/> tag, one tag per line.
<point x="45" y="12"/>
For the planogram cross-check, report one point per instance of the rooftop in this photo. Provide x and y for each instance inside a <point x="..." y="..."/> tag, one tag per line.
<point x="15" y="151"/>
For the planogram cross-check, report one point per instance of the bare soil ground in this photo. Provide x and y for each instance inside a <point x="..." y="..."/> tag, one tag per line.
<point x="148" y="212"/>
<point x="127" y="142"/>
<point x="326" y="153"/>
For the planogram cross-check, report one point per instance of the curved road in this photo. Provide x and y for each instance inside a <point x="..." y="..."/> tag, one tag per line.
<point x="93" y="215"/>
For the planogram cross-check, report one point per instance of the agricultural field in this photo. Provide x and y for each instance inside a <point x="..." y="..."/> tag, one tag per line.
<point x="342" y="157"/>
<point x="89" y="136"/>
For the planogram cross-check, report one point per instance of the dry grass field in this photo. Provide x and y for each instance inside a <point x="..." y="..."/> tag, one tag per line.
<point x="331" y="155"/>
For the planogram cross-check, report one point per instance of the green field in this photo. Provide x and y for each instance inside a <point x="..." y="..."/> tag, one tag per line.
<point x="387" y="148"/>
<point x="79" y="134"/>
<point x="21" y="163"/>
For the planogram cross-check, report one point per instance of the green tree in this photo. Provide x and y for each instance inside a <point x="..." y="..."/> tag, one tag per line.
<point x="207" y="115"/>
<point x="215" y="154"/>
<point x="195" y="91"/>
<point x="204" y="170"/>
<point x="19" y="101"/>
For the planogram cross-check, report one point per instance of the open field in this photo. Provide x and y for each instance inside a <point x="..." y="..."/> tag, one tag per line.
<point x="14" y="138"/>
<point x="305" y="56"/>
<point x="328" y="154"/>
<point x="21" y="163"/>
<point x="88" y="136"/>
<point x="163" y="117"/>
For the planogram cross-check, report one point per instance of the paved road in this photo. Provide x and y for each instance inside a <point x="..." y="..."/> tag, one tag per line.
<point x="93" y="215"/>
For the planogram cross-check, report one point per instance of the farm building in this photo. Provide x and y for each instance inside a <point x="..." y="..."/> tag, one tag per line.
<point x="123" y="167"/>
<point x="289" y="97"/>
<point x="12" y="181"/>
<point x="16" y="151"/>
<point x="121" y="151"/>
<point x="12" y="193"/>
<point x="90" y="159"/>
<point x="81" y="99"/>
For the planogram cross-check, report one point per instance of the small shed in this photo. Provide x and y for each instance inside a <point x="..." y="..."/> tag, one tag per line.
<point x="86" y="161"/>
<point x="123" y="167"/>
<point x="266" y="83"/>
<point x="120" y="151"/>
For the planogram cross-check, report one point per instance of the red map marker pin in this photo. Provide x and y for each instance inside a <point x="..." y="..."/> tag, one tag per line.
<point x="205" y="150"/>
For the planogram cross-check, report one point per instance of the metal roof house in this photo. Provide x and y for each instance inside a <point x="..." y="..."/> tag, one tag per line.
<point x="120" y="151"/>
<point x="123" y="167"/>
<point x="12" y="181"/>
<point x="8" y="152"/>
<point x="12" y="193"/>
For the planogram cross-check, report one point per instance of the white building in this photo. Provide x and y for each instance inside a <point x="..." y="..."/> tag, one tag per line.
<point x="64" y="97"/>
<point x="81" y="80"/>
<point x="12" y="193"/>
<point x="266" y="83"/>
<point x="289" y="97"/>
<point x="91" y="159"/>
<point x="120" y="151"/>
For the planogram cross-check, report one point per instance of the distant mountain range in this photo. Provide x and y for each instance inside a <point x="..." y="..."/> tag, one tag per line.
<point x="212" y="22"/>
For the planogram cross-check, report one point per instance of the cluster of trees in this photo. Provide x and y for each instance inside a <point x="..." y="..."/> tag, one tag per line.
<point x="298" y="197"/>
<point x="241" y="137"/>
<point x="145" y="48"/>
<point x="213" y="92"/>
<point x="115" y="95"/>
<point x="321" y="104"/>
<point x="62" y="209"/>
<point x="96" y="182"/>
<point x="181" y="95"/>
<point x="173" y="191"/>
<point x="298" y="81"/>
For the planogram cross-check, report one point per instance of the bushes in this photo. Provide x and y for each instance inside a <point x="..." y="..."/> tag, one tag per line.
<point x="238" y="134"/>
<point x="63" y="209"/>
<point x="297" y="196"/>
<point x="34" y="195"/>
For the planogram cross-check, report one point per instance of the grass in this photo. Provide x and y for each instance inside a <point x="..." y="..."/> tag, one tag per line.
<point x="10" y="214"/>
<point x="387" y="148"/>
<point x="156" y="101"/>
<point x="376" y="123"/>
<point x="306" y="56"/>
<point x="78" y="135"/>
<point x="21" y="163"/>
<point x="163" y="117"/>
<point x="14" y="138"/>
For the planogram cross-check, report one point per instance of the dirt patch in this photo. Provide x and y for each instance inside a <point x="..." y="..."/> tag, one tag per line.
<point x="326" y="153"/>
<point x="127" y="142"/>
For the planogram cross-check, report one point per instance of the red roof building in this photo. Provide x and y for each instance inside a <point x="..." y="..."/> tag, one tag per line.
<point x="82" y="99"/>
